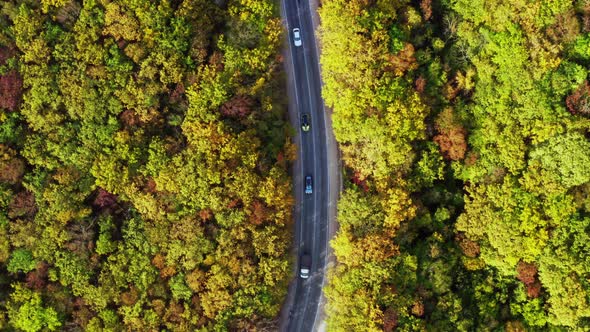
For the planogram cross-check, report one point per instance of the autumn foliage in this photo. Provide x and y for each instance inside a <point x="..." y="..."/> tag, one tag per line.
<point x="104" y="199"/>
<point x="403" y="61"/>
<point x="12" y="168"/>
<point x="10" y="90"/>
<point x="237" y="107"/>
<point x="37" y="278"/>
<point x="426" y="7"/>
<point x="389" y="320"/>
<point x="494" y="234"/>
<point x="142" y="185"/>
<point x="451" y="137"/>
<point x="468" y="247"/>
<point x="22" y="204"/>
<point x="579" y="101"/>
<point x="527" y="273"/>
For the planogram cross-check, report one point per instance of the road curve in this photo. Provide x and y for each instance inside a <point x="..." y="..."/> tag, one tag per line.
<point x="314" y="213"/>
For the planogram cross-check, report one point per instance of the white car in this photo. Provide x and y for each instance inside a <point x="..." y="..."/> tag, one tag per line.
<point x="297" y="37"/>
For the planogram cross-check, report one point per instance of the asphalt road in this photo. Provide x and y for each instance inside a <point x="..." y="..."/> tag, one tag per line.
<point x="314" y="212"/>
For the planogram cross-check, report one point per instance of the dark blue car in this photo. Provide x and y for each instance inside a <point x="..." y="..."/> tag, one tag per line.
<point x="308" y="184"/>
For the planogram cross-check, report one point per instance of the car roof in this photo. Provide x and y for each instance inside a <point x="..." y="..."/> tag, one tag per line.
<point x="306" y="259"/>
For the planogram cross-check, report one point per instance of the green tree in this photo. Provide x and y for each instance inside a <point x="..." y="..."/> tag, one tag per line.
<point x="21" y="260"/>
<point x="562" y="159"/>
<point x="26" y="311"/>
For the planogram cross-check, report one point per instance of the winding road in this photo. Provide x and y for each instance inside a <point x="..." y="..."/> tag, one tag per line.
<point x="314" y="213"/>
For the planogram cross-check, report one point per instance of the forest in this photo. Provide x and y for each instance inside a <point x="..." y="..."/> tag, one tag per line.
<point x="465" y="134"/>
<point x="144" y="158"/>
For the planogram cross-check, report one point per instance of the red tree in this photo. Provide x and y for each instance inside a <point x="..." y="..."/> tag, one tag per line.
<point x="420" y="84"/>
<point x="23" y="204"/>
<point x="469" y="248"/>
<point x="426" y="7"/>
<point x="418" y="308"/>
<point x="452" y="136"/>
<point x="177" y="95"/>
<point x="259" y="212"/>
<point x="359" y="181"/>
<point x="533" y="290"/>
<point x="527" y="273"/>
<point x="37" y="278"/>
<point x="11" y="87"/>
<point x="206" y="214"/>
<point x="237" y="107"/>
<point x="104" y="199"/>
<point x="11" y="170"/>
<point x="129" y="118"/>
<point x="389" y="320"/>
<point x="579" y="101"/>
<point x="403" y="61"/>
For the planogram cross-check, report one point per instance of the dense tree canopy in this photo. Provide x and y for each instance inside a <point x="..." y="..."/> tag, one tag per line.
<point x="464" y="132"/>
<point x="143" y="165"/>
